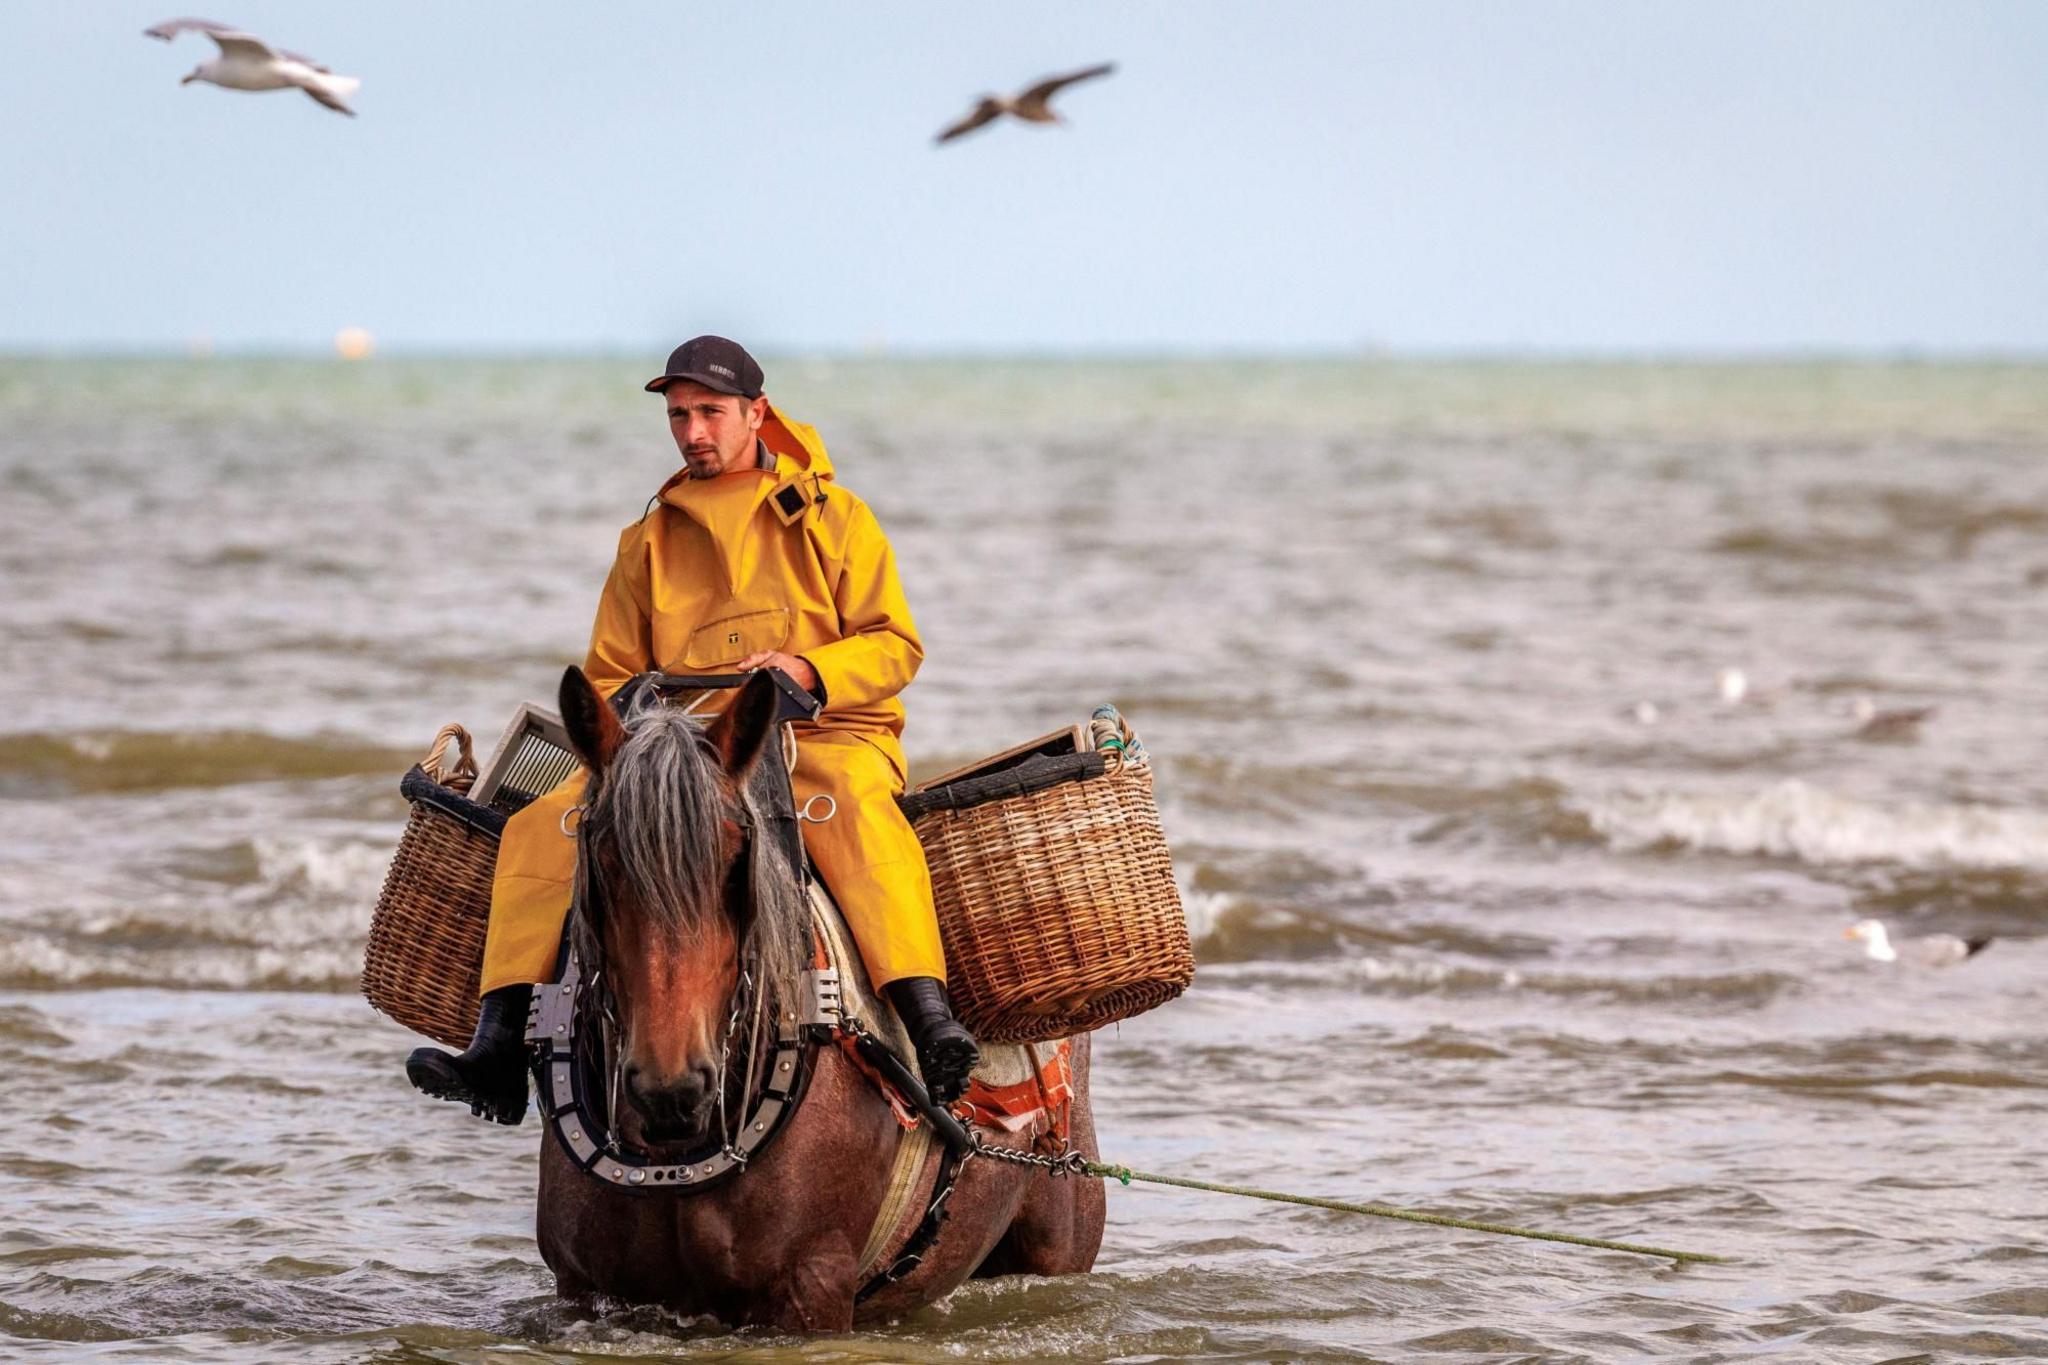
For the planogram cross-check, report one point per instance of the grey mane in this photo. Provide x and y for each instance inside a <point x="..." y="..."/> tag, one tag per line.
<point x="660" y="804"/>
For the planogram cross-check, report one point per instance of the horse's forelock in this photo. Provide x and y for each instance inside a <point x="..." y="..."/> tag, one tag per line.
<point x="661" y="805"/>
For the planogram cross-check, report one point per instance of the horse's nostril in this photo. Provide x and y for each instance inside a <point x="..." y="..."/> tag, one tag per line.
<point x="643" y="1096"/>
<point x="675" y="1108"/>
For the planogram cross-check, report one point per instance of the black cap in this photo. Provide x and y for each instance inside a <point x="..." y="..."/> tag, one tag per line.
<point x="713" y="362"/>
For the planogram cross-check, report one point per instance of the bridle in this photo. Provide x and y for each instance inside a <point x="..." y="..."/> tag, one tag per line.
<point x="573" y="1037"/>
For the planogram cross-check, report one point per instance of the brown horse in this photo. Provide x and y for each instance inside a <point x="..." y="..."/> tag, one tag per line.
<point x="692" y="916"/>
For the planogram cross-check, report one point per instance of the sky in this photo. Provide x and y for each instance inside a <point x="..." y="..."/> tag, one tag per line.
<point x="1292" y="176"/>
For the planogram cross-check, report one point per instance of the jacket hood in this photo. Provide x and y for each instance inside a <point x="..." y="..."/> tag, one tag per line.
<point x="798" y="440"/>
<point x="790" y="441"/>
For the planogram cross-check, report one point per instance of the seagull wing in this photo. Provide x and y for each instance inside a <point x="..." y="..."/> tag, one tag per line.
<point x="171" y="28"/>
<point x="326" y="94"/>
<point x="231" y="41"/>
<point x="1946" y="950"/>
<point x="241" y="46"/>
<point x="988" y="111"/>
<point x="1034" y="99"/>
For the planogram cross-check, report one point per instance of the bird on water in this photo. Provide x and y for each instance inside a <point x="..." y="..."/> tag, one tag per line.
<point x="246" y="62"/>
<point x="1033" y="105"/>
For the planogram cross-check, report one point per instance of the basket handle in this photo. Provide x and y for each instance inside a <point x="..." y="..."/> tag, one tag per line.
<point x="463" y="773"/>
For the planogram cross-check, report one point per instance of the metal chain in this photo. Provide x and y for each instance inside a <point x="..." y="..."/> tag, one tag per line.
<point x="1065" y="1162"/>
<point x="732" y="1024"/>
<point x="614" y="1057"/>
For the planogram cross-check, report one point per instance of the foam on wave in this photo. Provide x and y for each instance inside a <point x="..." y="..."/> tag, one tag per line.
<point x="297" y="923"/>
<point x="1794" y="820"/>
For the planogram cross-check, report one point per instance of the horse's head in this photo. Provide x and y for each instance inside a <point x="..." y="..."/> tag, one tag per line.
<point x="677" y="890"/>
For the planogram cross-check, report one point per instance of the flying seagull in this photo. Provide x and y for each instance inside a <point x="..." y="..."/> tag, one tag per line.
<point x="1032" y="106"/>
<point x="1932" y="950"/>
<point x="246" y="62"/>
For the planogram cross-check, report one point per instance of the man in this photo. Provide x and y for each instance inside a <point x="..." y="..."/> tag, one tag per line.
<point x="752" y="556"/>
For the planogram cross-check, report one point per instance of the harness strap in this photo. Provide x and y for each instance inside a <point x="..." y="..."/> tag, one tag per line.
<point x="906" y="1173"/>
<point x="926" y="1235"/>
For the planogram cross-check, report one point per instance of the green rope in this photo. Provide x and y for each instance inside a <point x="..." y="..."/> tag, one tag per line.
<point x="1127" y="1175"/>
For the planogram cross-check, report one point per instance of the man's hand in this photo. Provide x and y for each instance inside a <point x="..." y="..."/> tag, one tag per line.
<point x="799" y="669"/>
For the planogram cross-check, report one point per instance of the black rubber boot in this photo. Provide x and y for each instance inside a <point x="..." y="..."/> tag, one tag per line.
<point x="946" y="1053"/>
<point x="490" y="1076"/>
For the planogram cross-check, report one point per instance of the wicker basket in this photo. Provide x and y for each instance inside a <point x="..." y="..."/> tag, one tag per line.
<point x="426" y="945"/>
<point x="1055" y="894"/>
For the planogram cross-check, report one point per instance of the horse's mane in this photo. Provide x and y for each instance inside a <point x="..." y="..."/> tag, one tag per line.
<point x="660" y="803"/>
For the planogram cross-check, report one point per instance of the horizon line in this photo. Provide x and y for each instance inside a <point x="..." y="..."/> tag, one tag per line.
<point x="1477" y="355"/>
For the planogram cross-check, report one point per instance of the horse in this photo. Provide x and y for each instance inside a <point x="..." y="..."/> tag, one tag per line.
<point x="691" y="915"/>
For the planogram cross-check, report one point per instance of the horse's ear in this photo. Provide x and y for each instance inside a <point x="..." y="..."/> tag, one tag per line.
<point x="743" y="730"/>
<point x="594" y="732"/>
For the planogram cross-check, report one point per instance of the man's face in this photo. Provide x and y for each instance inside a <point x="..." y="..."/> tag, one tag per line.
<point x="714" y="431"/>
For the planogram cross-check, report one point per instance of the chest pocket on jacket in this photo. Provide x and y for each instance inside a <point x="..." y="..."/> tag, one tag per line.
<point x="733" y="638"/>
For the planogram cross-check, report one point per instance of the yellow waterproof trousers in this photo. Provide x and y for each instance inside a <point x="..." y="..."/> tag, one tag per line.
<point x="866" y="852"/>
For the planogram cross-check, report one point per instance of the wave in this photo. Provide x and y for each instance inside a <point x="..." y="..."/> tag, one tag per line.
<point x="1887" y="522"/>
<point x="1247" y="943"/>
<point x="1524" y="809"/>
<point x="41" y="765"/>
<point x="261" y="914"/>
<point x="1794" y="820"/>
<point x="1401" y="977"/>
<point x="1999" y="900"/>
<point x="1227" y="928"/>
<point x="30" y="962"/>
<point x="1805" y="545"/>
<point x="354" y="870"/>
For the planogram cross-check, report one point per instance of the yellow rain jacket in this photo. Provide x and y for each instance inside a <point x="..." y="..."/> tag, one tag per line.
<point x="719" y="569"/>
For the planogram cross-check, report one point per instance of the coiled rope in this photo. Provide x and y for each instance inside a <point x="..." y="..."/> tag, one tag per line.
<point x="1126" y="1175"/>
<point x="1109" y="732"/>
